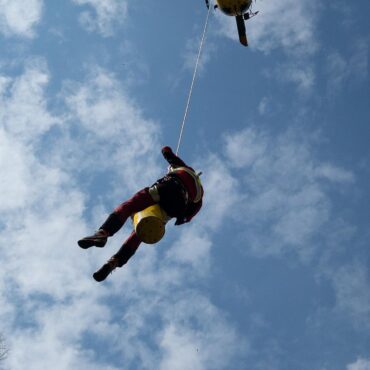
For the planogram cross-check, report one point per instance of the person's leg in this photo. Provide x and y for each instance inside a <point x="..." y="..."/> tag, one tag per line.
<point x="111" y="225"/>
<point x="127" y="250"/>
<point x="141" y="200"/>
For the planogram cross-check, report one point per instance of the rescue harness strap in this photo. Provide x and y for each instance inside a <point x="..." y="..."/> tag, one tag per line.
<point x="193" y="80"/>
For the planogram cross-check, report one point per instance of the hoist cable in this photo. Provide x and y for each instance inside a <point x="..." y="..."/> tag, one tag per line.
<point x="193" y="80"/>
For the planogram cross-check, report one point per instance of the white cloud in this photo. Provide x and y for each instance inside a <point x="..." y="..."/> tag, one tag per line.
<point x="360" y="364"/>
<point x="348" y="70"/>
<point x="49" y="302"/>
<point x="56" y="340"/>
<point x="194" y="335"/>
<point x="283" y="199"/>
<point x="192" y="247"/>
<point x="352" y="290"/>
<point x="106" y="15"/>
<point x="14" y="186"/>
<point x="24" y="111"/>
<point x="300" y="73"/>
<point x="334" y="174"/>
<point x="191" y="53"/>
<point x="289" y="24"/>
<point x="181" y="350"/>
<point x="302" y="76"/>
<point x="19" y="17"/>
<point x="268" y="106"/>
<point x="114" y="127"/>
<point x="221" y="192"/>
<point x="337" y="67"/>
<point x="244" y="148"/>
<point x="41" y="218"/>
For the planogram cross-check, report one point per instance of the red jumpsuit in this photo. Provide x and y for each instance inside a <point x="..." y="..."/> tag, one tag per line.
<point x="179" y="194"/>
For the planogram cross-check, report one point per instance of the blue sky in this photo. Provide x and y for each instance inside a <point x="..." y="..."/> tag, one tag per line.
<point x="273" y="273"/>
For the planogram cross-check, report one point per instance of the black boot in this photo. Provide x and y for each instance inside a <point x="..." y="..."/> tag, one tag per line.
<point x="99" y="239"/>
<point x="106" y="269"/>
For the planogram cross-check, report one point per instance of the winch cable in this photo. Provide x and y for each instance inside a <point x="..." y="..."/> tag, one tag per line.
<point x="193" y="79"/>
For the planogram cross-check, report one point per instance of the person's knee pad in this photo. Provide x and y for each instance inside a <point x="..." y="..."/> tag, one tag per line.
<point x="154" y="193"/>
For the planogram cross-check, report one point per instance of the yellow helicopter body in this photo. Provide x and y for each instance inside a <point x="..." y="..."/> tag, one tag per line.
<point x="234" y="7"/>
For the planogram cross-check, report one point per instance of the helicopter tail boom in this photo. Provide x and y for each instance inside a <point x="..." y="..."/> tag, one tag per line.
<point x="241" y="30"/>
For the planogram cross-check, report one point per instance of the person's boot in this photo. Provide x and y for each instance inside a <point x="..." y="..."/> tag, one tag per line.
<point x="99" y="239"/>
<point x="106" y="269"/>
<point x="112" y="224"/>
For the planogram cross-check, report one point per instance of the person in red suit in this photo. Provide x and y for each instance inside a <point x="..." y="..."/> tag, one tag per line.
<point x="179" y="194"/>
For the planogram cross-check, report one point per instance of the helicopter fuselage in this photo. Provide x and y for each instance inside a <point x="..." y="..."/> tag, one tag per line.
<point x="234" y="7"/>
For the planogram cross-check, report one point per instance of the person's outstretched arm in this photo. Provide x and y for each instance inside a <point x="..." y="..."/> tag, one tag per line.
<point x="172" y="158"/>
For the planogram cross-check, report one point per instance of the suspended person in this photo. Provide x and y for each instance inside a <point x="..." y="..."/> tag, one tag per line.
<point x="179" y="194"/>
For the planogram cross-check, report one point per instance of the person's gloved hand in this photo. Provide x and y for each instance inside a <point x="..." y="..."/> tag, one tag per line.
<point x="166" y="151"/>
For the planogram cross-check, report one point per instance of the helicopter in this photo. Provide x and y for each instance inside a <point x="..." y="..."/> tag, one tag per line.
<point x="240" y="9"/>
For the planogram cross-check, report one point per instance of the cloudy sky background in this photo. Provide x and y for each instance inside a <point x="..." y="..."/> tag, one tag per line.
<point x="273" y="273"/>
